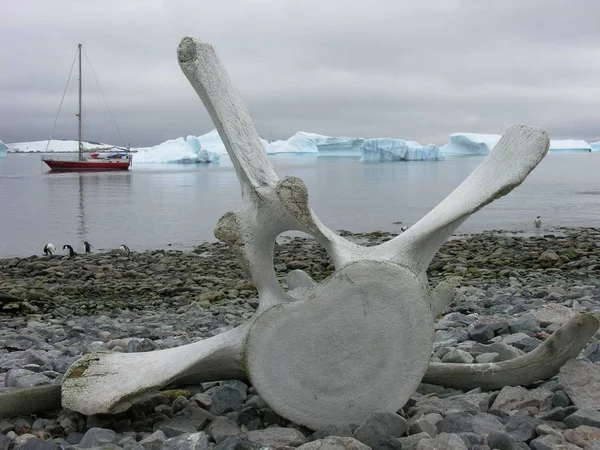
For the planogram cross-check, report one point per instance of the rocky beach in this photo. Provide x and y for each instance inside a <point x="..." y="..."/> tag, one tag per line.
<point x="512" y="293"/>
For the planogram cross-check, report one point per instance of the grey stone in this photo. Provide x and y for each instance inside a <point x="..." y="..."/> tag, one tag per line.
<point x="470" y="439"/>
<point x="504" y="350"/>
<point x="592" y="351"/>
<point x="74" y="438"/>
<point x="543" y="430"/>
<point x="226" y="399"/>
<point x="178" y="425"/>
<point x="98" y="437"/>
<point x="582" y="435"/>
<point x="522" y="428"/>
<point x="298" y="279"/>
<point x="154" y="441"/>
<point x="473" y="403"/>
<point x="555" y="414"/>
<point x="553" y="314"/>
<point x="36" y="444"/>
<point x="457" y="356"/>
<point x="411" y="442"/>
<point x="277" y="437"/>
<point x="581" y="381"/>
<point x="141" y="345"/>
<point x="388" y="443"/>
<point x="460" y="422"/>
<point x="238" y="385"/>
<point x="237" y="443"/>
<point x="179" y="403"/>
<point x="335" y="443"/>
<point x="588" y="417"/>
<point x="378" y="425"/>
<point x="24" y="378"/>
<point x="485" y="358"/>
<point x="445" y="441"/>
<point x="526" y="322"/>
<point x="423" y="426"/>
<point x="129" y="445"/>
<point x="501" y="441"/>
<point x="332" y="430"/>
<point x="517" y="397"/>
<point x="187" y="441"/>
<point x="480" y="332"/>
<point x="560" y="399"/>
<point x="221" y="428"/>
<point x="549" y="442"/>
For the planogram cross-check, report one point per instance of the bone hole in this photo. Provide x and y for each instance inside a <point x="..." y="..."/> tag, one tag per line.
<point x="297" y="250"/>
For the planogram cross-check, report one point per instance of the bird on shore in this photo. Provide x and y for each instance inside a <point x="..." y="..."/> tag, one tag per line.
<point x="70" y="250"/>
<point x="49" y="249"/>
<point x="88" y="247"/>
<point x="124" y="250"/>
<point x="538" y="222"/>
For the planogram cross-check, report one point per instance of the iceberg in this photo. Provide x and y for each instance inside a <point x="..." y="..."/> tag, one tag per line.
<point x="469" y="144"/>
<point x="385" y="149"/>
<point x="3" y="149"/>
<point x="312" y="143"/>
<point x="595" y="146"/>
<point x="179" y="151"/>
<point x="59" y="146"/>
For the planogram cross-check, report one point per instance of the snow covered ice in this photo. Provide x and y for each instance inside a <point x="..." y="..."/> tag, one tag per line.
<point x="303" y="142"/>
<point x="3" y="149"/>
<point x="59" y="146"/>
<point x="182" y="151"/>
<point x="470" y="144"/>
<point x="385" y="149"/>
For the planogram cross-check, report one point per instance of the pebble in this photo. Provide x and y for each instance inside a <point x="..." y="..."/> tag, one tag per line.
<point x="508" y="300"/>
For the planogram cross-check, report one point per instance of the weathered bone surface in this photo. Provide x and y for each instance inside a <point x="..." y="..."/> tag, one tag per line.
<point x="333" y="352"/>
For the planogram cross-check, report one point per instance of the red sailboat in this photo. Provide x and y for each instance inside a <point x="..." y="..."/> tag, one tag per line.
<point x="93" y="162"/>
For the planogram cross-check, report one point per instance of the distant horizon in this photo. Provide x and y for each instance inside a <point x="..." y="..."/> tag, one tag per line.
<point x="100" y="142"/>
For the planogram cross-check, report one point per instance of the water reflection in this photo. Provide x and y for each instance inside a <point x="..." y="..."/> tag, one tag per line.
<point x="86" y="194"/>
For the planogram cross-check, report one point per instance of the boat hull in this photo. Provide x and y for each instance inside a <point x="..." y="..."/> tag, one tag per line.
<point x="86" y="166"/>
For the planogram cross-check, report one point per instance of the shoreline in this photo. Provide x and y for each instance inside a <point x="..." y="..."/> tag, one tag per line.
<point x="512" y="293"/>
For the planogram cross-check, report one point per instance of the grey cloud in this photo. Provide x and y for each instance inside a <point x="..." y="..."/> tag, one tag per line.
<point x="414" y="69"/>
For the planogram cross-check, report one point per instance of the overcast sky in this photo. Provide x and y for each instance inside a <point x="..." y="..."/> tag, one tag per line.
<point x="415" y="70"/>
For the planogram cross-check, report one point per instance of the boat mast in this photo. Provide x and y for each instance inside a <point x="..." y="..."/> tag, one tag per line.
<point x="79" y="115"/>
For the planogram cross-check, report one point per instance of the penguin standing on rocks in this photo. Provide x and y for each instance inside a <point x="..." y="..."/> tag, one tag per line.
<point x="538" y="222"/>
<point x="49" y="249"/>
<point x="88" y="247"/>
<point x="70" y="250"/>
<point x="124" y="250"/>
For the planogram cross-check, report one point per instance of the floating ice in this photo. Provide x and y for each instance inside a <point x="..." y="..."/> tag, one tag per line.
<point x="179" y="151"/>
<point x="313" y="143"/>
<point x="467" y="144"/>
<point x="3" y="149"/>
<point x="59" y="146"/>
<point x="385" y="149"/>
<point x="595" y="146"/>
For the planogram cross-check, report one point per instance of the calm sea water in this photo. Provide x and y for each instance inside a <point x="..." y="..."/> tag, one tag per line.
<point x="177" y="206"/>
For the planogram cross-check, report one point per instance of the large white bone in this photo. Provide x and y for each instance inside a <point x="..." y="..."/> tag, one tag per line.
<point x="338" y="350"/>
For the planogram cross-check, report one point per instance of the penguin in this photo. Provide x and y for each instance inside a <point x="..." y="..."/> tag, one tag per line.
<point x="124" y="250"/>
<point x="49" y="249"/>
<point x="404" y="228"/>
<point x="70" y="249"/>
<point x="88" y="247"/>
<point x="538" y="222"/>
